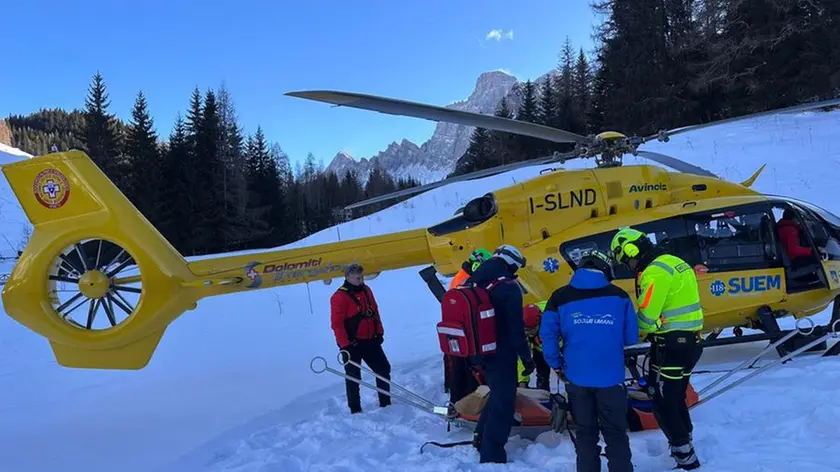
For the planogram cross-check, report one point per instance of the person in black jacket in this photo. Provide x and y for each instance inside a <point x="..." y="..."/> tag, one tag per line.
<point x="499" y="368"/>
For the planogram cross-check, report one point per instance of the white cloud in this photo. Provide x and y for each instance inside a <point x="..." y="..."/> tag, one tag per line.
<point x="498" y="35"/>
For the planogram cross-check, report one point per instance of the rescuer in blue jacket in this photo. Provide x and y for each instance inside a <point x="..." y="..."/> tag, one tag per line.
<point x="595" y="320"/>
<point x="499" y="368"/>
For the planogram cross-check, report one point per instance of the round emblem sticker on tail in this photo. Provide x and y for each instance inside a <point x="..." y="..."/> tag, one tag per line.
<point x="51" y="188"/>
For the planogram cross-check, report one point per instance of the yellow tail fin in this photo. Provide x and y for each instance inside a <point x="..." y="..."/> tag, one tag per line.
<point x="752" y="179"/>
<point x="88" y="235"/>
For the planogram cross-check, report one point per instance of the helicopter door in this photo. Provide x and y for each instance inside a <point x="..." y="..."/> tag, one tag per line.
<point x="821" y="235"/>
<point x="738" y="265"/>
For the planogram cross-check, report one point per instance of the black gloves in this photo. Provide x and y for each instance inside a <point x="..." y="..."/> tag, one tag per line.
<point x="559" y="413"/>
<point x="378" y="339"/>
<point x="528" y="367"/>
<point x="345" y="356"/>
<point x="347" y="351"/>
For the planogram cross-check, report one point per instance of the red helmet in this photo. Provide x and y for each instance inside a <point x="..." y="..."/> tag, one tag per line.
<point x="531" y="313"/>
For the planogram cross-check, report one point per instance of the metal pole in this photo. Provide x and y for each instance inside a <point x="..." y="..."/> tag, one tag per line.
<point x="791" y="334"/>
<point x="832" y="333"/>
<point x="389" y="381"/>
<point x="434" y="412"/>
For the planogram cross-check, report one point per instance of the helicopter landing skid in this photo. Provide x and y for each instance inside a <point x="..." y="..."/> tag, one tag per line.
<point x="820" y="333"/>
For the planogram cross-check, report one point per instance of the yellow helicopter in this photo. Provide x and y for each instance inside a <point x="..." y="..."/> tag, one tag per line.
<point x="88" y="236"/>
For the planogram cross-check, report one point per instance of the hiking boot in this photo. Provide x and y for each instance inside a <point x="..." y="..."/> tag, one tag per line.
<point x="685" y="457"/>
<point x="476" y="443"/>
<point x="691" y="466"/>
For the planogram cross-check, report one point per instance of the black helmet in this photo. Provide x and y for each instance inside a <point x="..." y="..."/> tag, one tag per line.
<point x="595" y="259"/>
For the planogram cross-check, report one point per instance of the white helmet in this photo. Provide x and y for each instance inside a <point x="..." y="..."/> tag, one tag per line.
<point x="511" y="255"/>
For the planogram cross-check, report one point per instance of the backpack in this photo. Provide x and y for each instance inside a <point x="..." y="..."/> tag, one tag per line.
<point x="468" y="321"/>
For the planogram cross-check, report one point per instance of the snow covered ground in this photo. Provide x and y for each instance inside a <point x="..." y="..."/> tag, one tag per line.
<point x="14" y="227"/>
<point x="229" y="388"/>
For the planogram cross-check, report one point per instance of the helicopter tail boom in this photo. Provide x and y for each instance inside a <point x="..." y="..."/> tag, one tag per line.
<point x="307" y="264"/>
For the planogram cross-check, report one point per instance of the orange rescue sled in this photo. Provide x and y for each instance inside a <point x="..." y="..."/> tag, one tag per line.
<point x="533" y="410"/>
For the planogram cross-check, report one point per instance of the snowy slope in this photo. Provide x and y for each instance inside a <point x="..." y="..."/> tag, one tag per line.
<point x="14" y="226"/>
<point x="230" y="387"/>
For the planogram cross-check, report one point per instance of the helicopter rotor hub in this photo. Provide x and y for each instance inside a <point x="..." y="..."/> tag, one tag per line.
<point x="94" y="284"/>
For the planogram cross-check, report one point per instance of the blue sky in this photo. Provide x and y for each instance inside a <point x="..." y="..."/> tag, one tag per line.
<point x="422" y="50"/>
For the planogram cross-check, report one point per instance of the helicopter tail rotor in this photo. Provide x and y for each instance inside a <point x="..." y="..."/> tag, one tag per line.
<point x="90" y="241"/>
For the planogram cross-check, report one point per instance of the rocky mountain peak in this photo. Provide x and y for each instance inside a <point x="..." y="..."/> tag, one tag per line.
<point x="436" y="157"/>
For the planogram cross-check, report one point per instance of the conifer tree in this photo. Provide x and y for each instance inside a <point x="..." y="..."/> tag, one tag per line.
<point x="596" y="116"/>
<point x="259" y="204"/>
<point x="547" y="102"/>
<point x="101" y="138"/>
<point x="351" y="192"/>
<point x="144" y="162"/>
<point x="478" y="155"/>
<point x="506" y="147"/>
<point x="568" y="115"/>
<point x="295" y="226"/>
<point x="275" y="194"/>
<point x="178" y="215"/>
<point x="582" y="91"/>
<point x="529" y="111"/>
<point x="234" y="180"/>
<point x="211" y="230"/>
<point x="267" y="201"/>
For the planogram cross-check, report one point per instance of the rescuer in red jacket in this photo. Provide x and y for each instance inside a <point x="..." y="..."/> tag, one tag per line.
<point x="790" y="233"/>
<point x="358" y="331"/>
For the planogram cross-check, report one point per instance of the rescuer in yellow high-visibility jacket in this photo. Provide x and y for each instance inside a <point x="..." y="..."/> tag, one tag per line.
<point x="671" y="316"/>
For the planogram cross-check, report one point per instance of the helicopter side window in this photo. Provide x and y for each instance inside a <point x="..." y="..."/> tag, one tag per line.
<point x="669" y="235"/>
<point x="572" y="250"/>
<point x="735" y="240"/>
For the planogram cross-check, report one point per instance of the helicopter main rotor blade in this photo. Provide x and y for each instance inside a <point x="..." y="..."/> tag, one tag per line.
<point x="470" y="176"/>
<point x="393" y="106"/>
<point x="791" y="109"/>
<point x="676" y="164"/>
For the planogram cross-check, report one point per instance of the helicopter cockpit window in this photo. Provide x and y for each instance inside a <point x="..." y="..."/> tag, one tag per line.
<point x="734" y="240"/>
<point x="826" y="215"/>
